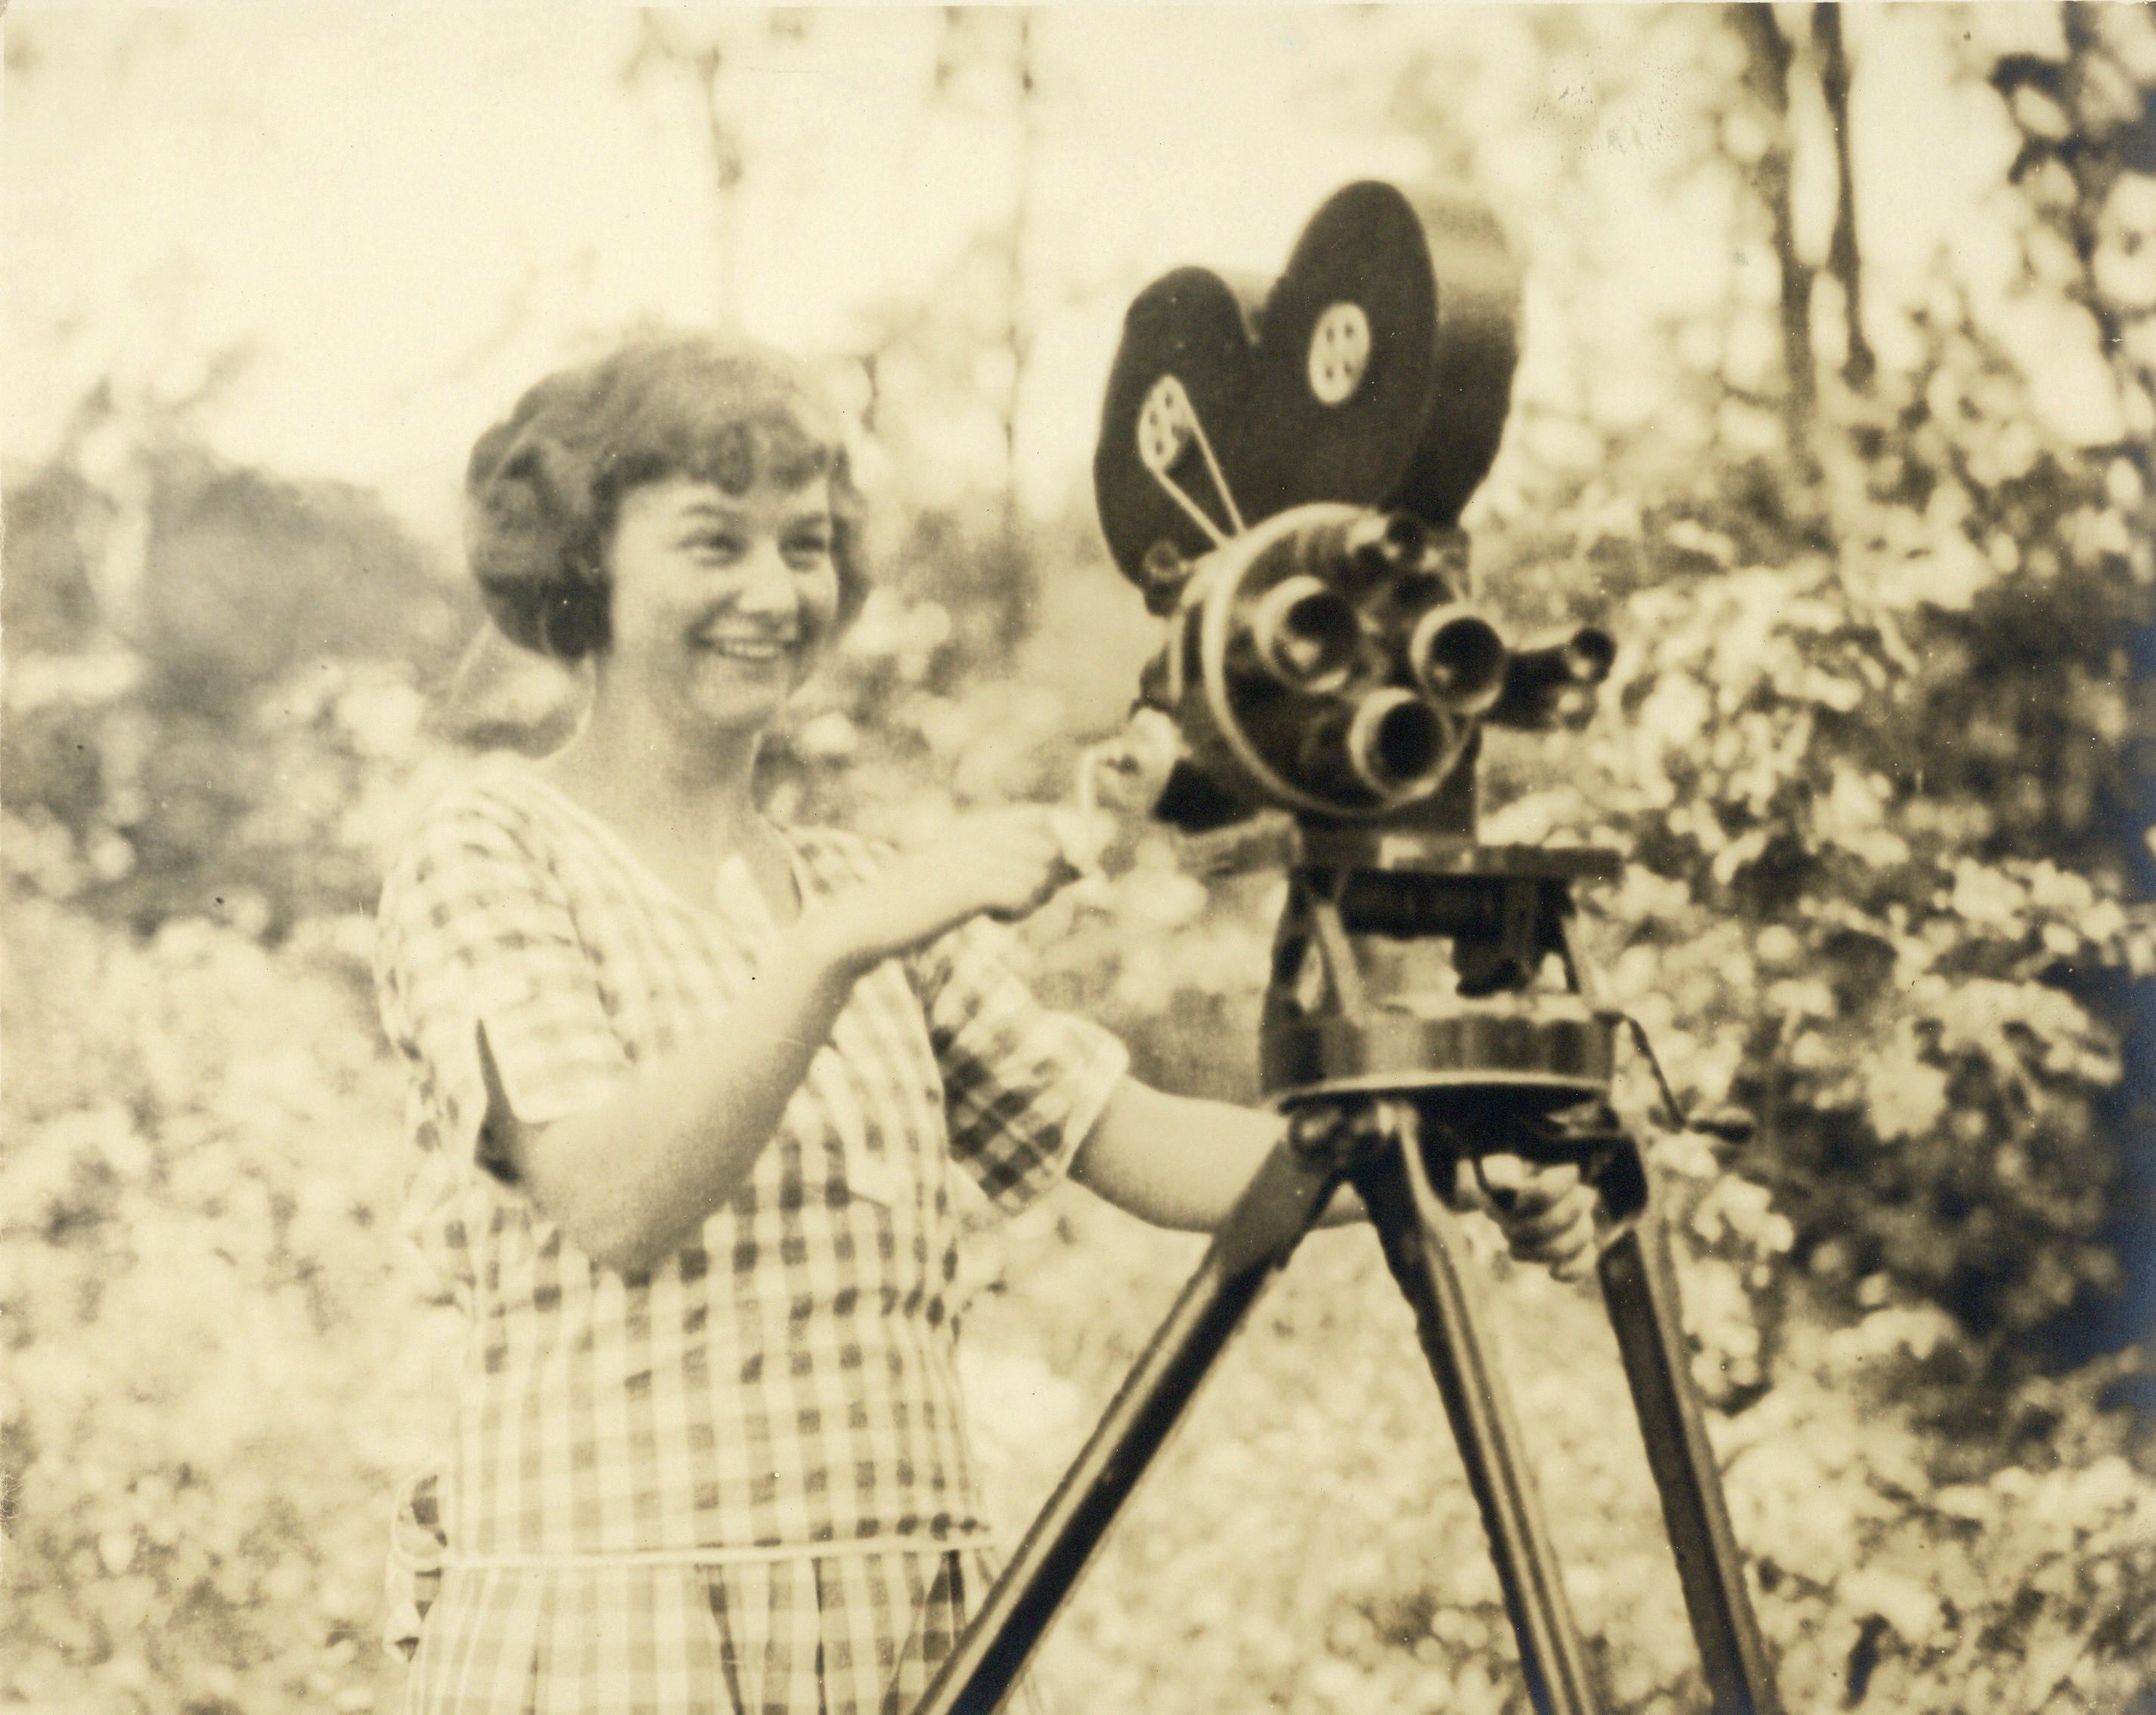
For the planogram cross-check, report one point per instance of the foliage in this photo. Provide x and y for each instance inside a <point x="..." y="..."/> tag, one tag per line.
<point x="212" y="673"/>
<point x="1839" y="917"/>
<point x="213" y="1366"/>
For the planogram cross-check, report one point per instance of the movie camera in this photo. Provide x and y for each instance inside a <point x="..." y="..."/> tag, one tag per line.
<point x="1280" y="471"/>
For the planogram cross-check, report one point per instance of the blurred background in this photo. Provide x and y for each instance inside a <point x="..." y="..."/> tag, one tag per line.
<point x="1839" y="387"/>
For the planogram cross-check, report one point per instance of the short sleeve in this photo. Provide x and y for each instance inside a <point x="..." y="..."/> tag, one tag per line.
<point x="1023" y="1085"/>
<point x="474" y="932"/>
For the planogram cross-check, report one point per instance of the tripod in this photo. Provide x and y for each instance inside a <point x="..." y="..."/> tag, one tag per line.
<point x="1393" y="1088"/>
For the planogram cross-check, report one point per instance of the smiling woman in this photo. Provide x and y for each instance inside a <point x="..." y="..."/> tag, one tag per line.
<point x="721" y="601"/>
<point x="690" y="1088"/>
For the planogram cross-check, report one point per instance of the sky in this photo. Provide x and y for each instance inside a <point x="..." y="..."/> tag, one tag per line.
<point x="392" y="218"/>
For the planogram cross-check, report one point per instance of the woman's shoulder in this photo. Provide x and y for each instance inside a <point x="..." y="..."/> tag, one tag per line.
<point x="498" y="787"/>
<point x="481" y="805"/>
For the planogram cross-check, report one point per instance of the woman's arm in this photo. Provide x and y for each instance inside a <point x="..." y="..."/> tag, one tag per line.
<point x="1175" y="1161"/>
<point x="1178" y="1161"/>
<point x="629" y="1180"/>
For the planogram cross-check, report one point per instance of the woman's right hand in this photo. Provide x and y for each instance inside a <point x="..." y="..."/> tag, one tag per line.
<point x="1001" y="864"/>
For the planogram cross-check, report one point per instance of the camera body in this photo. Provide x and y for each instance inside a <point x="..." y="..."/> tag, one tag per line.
<point x="1280" y="471"/>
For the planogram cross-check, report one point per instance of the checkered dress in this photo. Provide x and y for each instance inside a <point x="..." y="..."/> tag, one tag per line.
<point x="742" y="1483"/>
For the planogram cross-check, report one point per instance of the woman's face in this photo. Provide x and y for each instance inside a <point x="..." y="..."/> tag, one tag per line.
<point x="721" y="601"/>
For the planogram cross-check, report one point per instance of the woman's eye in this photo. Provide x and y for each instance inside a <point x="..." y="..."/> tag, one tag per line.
<point x="716" y="546"/>
<point x="808" y="552"/>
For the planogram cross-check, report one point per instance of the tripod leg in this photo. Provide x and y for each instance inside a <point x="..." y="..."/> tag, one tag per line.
<point x="1423" y="1245"/>
<point x="1639" y="1288"/>
<point x="1282" y="1202"/>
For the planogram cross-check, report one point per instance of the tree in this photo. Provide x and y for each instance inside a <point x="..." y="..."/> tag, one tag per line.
<point x="957" y="362"/>
<point x="700" y="57"/>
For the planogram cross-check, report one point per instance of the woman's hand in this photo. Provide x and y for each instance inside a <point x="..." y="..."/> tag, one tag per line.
<point x="1547" y="1214"/>
<point x="1001" y="864"/>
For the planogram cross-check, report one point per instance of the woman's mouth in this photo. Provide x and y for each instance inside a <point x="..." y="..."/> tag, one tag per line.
<point x="751" y="646"/>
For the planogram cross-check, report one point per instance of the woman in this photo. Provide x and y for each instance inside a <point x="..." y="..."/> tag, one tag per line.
<point x="689" y="1086"/>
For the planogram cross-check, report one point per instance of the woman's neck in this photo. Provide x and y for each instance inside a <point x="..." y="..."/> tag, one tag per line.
<point x="681" y="812"/>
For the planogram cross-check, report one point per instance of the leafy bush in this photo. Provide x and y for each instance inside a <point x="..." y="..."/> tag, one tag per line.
<point x="214" y="1368"/>
<point x="1877" y="741"/>
<point x="210" y="681"/>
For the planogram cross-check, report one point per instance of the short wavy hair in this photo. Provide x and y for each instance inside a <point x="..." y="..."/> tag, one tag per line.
<point x="545" y="484"/>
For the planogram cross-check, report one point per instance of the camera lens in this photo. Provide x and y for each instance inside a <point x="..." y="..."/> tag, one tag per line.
<point x="1305" y="636"/>
<point x="1396" y="742"/>
<point x="1458" y="658"/>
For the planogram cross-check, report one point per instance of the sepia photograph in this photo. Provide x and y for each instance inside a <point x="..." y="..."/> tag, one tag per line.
<point x="897" y="860"/>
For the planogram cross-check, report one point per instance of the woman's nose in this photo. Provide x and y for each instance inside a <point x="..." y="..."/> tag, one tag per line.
<point x="767" y="581"/>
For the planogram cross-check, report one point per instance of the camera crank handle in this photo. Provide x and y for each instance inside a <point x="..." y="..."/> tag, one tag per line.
<point x="1726" y="1124"/>
<point x="1116" y="777"/>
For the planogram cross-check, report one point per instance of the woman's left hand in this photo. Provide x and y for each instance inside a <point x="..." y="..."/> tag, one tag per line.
<point x="1547" y="1214"/>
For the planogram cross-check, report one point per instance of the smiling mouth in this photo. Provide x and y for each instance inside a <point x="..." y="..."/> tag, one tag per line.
<point x="745" y="646"/>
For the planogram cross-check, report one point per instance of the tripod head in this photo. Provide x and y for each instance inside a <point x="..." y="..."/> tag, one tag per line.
<point x="1280" y="471"/>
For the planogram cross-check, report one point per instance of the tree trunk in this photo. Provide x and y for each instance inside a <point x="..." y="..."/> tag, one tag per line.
<point x="1018" y="325"/>
<point x="1768" y="56"/>
<point x="1842" y="261"/>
